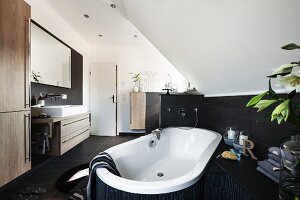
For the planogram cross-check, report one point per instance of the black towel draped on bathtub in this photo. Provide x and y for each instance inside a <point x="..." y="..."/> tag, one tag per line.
<point x="85" y="187"/>
<point x="102" y="160"/>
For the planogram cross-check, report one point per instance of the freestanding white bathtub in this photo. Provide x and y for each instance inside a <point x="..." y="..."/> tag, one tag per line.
<point x="179" y="157"/>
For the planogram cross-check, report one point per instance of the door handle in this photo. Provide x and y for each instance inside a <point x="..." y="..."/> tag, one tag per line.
<point x="113" y="98"/>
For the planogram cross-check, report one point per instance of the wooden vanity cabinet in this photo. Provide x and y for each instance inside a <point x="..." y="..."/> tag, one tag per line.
<point x="15" y="158"/>
<point x="74" y="130"/>
<point x="65" y="132"/>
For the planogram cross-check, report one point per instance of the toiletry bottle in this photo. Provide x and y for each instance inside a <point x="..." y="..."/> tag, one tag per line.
<point x="41" y="101"/>
<point x="231" y="134"/>
<point x="243" y="136"/>
<point x="33" y="100"/>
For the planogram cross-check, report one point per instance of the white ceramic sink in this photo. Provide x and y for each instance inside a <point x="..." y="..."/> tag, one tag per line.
<point x="59" y="111"/>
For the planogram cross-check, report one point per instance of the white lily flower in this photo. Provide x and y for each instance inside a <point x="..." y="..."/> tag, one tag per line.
<point x="286" y="68"/>
<point x="291" y="81"/>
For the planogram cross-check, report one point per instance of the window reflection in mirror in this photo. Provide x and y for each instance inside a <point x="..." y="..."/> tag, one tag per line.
<point x="50" y="59"/>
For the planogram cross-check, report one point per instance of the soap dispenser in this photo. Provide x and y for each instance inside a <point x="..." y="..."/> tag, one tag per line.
<point x="41" y="101"/>
<point x="33" y="100"/>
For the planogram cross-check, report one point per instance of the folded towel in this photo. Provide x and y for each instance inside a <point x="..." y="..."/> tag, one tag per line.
<point x="267" y="174"/>
<point x="274" y="162"/>
<point x="275" y="151"/>
<point x="102" y="160"/>
<point x="47" y="144"/>
<point x="274" y="157"/>
<point x="270" y="168"/>
<point x="285" y="154"/>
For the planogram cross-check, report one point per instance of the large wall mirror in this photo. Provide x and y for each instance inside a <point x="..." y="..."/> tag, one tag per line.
<point x="50" y="59"/>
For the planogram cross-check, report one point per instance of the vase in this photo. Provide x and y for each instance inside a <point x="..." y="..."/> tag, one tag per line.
<point x="289" y="183"/>
<point x="136" y="87"/>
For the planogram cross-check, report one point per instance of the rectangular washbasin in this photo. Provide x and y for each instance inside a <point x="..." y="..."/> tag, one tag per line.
<point x="59" y="111"/>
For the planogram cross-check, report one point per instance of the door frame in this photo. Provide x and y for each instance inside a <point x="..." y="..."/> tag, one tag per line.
<point x="116" y="92"/>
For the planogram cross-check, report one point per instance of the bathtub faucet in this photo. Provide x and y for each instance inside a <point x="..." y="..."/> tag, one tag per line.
<point x="157" y="132"/>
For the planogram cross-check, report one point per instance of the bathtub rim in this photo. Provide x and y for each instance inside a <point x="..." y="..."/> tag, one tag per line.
<point x="160" y="187"/>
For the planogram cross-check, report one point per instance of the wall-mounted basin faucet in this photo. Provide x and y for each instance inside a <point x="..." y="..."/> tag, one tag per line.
<point x="62" y="96"/>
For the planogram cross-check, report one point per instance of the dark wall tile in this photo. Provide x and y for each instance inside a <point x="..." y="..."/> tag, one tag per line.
<point x="222" y="112"/>
<point x="171" y="106"/>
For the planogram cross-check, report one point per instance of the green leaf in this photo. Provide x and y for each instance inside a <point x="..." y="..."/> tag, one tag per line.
<point x="282" y="111"/>
<point x="297" y="63"/>
<point x="290" y="46"/>
<point x="297" y="198"/>
<point x="279" y="74"/>
<point x="263" y="104"/>
<point x="256" y="99"/>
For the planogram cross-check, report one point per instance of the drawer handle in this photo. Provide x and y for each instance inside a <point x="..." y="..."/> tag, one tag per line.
<point x="74" y="122"/>
<point x="74" y="136"/>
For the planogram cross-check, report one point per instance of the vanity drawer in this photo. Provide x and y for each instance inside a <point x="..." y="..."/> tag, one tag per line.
<point x="69" y="127"/>
<point x="69" y="142"/>
<point x="73" y="119"/>
<point x="72" y="135"/>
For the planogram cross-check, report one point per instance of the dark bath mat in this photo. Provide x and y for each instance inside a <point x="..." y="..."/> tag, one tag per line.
<point x="66" y="185"/>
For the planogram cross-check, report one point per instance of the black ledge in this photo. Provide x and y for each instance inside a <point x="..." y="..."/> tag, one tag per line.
<point x="245" y="174"/>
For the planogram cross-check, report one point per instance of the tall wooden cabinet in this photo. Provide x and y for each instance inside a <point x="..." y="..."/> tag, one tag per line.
<point x="14" y="88"/>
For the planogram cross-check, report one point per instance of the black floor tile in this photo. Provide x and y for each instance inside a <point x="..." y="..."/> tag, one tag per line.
<point x="41" y="177"/>
<point x="46" y="174"/>
<point x="61" y="165"/>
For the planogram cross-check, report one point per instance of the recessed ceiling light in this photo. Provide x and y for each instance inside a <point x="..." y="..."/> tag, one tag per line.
<point x="135" y="36"/>
<point x="86" y="16"/>
<point x="100" y="35"/>
<point x="113" y="5"/>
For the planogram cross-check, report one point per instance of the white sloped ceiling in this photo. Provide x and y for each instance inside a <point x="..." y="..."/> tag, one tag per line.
<point x="220" y="46"/>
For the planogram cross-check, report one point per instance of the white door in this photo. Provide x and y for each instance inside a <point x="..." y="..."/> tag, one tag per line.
<point x="103" y="98"/>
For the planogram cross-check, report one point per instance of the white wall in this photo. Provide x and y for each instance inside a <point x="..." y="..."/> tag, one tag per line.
<point x="137" y="59"/>
<point x="222" y="47"/>
<point x="46" y="16"/>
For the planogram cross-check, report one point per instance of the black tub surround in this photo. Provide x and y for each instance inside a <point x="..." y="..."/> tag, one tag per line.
<point x="106" y="192"/>
<point x="74" y="93"/>
<point x="239" y="180"/>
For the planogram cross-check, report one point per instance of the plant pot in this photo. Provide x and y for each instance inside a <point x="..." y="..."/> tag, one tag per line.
<point x="136" y="87"/>
<point x="289" y="183"/>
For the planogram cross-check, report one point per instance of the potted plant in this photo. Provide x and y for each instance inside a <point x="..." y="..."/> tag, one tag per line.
<point x="285" y="109"/>
<point x="136" y="80"/>
<point x="36" y="76"/>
